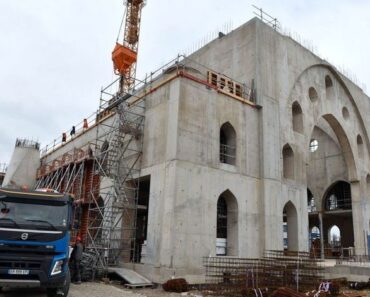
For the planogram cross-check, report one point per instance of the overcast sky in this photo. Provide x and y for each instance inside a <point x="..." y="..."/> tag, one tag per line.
<point x="55" y="55"/>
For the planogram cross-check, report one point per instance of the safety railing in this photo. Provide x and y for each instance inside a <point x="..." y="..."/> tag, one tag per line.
<point x="142" y="87"/>
<point x="27" y="143"/>
<point x="227" y="154"/>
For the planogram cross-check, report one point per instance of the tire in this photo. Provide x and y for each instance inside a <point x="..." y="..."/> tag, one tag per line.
<point x="53" y="292"/>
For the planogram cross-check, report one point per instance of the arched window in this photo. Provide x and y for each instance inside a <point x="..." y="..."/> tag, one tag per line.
<point x="312" y="93"/>
<point x="328" y="81"/>
<point x="338" y="197"/>
<point x="290" y="227"/>
<point x="314" y="145"/>
<point x="310" y="201"/>
<point x="368" y="185"/>
<point x="227" y="144"/>
<point x="334" y="236"/>
<point x="360" y="146"/>
<point x="227" y="225"/>
<point x="315" y="233"/>
<point x="288" y="162"/>
<point x="297" y="117"/>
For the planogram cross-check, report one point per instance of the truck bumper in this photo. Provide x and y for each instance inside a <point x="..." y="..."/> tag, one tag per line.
<point x="32" y="281"/>
<point x="19" y="283"/>
<point x="38" y="266"/>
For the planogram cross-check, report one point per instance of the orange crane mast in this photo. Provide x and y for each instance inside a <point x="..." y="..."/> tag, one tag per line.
<point x="124" y="55"/>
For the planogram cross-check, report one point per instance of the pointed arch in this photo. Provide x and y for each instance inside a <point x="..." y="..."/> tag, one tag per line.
<point x="288" y="162"/>
<point x="360" y="147"/>
<point x="297" y="117"/>
<point x="344" y="144"/>
<point x="290" y="227"/>
<point x="227" y="144"/>
<point x="227" y="225"/>
<point x="338" y="196"/>
<point x="328" y="81"/>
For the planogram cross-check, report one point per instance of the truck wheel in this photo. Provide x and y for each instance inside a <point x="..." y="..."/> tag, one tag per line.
<point x="60" y="292"/>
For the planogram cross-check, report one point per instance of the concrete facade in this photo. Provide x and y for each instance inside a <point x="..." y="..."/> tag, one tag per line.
<point x="299" y="98"/>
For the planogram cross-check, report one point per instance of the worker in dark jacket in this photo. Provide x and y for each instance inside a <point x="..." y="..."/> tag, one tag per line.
<point x="76" y="258"/>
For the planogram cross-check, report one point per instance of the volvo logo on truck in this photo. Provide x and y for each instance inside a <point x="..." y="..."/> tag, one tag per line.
<point x="24" y="236"/>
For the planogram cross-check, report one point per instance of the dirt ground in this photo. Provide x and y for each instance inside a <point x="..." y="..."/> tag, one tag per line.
<point x="103" y="290"/>
<point x="98" y="290"/>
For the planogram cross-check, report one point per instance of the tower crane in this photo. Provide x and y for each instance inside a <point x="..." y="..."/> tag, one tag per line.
<point x="124" y="55"/>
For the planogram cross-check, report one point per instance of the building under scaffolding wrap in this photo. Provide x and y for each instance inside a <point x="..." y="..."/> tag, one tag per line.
<point x="252" y="143"/>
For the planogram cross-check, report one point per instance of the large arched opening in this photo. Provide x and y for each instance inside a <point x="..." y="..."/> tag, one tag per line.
<point x="227" y="225"/>
<point x="290" y="227"/>
<point x="330" y="165"/>
<point x="338" y="223"/>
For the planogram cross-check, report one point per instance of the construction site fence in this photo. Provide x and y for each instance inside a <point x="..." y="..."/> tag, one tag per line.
<point x="232" y="276"/>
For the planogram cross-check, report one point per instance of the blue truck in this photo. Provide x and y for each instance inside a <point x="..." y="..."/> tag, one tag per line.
<point x="34" y="240"/>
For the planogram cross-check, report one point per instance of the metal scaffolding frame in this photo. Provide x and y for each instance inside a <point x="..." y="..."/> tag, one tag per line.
<point x="113" y="201"/>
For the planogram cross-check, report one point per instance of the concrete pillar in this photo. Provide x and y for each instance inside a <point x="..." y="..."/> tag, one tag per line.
<point x="358" y="203"/>
<point x="321" y="236"/>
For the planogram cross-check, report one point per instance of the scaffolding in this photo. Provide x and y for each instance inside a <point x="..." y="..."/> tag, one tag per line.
<point x="113" y="201"/>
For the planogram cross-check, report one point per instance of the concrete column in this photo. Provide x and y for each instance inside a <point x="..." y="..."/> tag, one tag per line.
<point x="321" y="236"/>
<point x="357" y="217"/>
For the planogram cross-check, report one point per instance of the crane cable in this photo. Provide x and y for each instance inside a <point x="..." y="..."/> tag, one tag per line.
<point x="120" y="27"/>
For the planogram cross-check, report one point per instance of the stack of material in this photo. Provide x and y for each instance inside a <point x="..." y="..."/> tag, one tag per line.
<point x="228" y="276"/>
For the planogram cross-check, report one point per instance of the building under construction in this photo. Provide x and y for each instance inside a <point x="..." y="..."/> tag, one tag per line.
<point x="251" y="143"/>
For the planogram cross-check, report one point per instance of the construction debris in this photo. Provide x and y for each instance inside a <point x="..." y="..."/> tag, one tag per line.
<point x="177" y="285"/>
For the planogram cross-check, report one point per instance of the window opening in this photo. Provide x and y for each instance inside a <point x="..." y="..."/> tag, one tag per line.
<point x="227" y="144"/>
<point x="314" y="145"/>
<point x="339" y="197"/>
<point x="288" y="162"/>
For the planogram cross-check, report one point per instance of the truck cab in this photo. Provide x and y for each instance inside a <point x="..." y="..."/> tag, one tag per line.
<point x="34" y="240"/>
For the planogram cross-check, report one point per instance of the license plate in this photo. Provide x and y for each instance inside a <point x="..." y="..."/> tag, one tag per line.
<point x="18" y="272"/>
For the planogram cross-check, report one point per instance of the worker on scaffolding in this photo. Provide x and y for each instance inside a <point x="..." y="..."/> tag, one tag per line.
<point x="73" y="131"/>
<point x="64" y="137"/>
<point x="75" y="259"/>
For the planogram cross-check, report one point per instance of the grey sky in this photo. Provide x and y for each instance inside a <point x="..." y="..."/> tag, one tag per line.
<point x="55" y="55"/>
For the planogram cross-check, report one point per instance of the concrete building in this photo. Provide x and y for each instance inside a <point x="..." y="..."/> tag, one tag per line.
<point x="23" y="164"/>
<point x="249" y="146"/>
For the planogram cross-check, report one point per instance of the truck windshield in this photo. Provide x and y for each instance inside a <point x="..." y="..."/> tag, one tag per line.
<point x="33" y="214"/>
